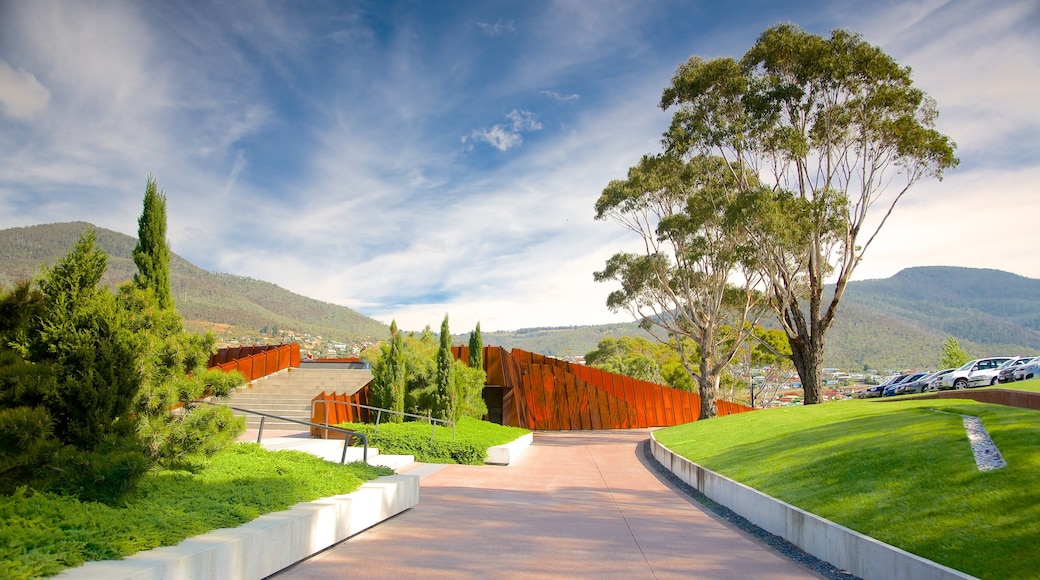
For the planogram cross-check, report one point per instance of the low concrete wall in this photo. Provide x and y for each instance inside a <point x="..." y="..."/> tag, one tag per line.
<point x="506" y="454"/>
<point x="267" y="544"/>
<point x="849" y="550"/>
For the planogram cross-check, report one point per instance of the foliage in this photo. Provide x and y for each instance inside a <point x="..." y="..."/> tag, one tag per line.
<point x="387" y="390"/>
<point x="953" y="356"/>
<point x="896" y="471"/>
<point x="831" y="126"/>
<point x="476" y="349"/>
<point x="43" y="533"/>
<point x="172" y="361"/>
<point x="695" y="281"/>
<point x="469" y="446"/>
<point x="446" y="405"/>
<point x="67" y="380"/>
<point x="152" y="254"/>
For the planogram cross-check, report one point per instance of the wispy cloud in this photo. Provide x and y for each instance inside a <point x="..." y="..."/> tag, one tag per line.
<point x="505" y="136"/>
<point x="560" y="96"/>
<point x="22" y="96"/>
<point x="497" y="28"/>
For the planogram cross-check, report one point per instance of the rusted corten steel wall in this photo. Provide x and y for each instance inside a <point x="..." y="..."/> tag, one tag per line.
<point x="334" y="408"/>
<point x="541" y="392"/>
<point x="256" y="361"/>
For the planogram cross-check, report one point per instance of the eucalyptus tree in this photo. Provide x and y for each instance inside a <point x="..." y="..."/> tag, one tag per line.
<point x="692" y="284"/>
<point x="835" y="134"/>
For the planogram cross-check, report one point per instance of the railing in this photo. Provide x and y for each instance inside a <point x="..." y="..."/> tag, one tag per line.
<point x="379" y="413"/>
<point x="263" y="416"/>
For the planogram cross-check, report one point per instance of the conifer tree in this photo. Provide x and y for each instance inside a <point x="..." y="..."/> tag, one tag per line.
<point x="447" y="398"/>
<point x="476" y="349"/>
<point x="152" y="254"/>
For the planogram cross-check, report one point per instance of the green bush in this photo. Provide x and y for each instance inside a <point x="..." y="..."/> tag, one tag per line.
<point x="469" y="447"/>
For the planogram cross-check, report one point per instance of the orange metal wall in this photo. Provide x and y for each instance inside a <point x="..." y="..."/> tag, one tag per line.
<point x="338" y="412"/>
<point x="256" y="361"/>
<point x="546" y="393"/>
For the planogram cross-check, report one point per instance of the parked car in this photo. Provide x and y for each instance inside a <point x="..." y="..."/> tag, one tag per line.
<point x="1007" y="374"/>
<point x="933" y="383"/>
<point x="1029" y="370"/>
<point x="919" y="385"/>
<point x="897" y="388"/>
<point x="976" y="373"/>
<point x="876" y="390"/>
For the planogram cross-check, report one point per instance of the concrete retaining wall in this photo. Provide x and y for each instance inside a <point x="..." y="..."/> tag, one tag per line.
<point x="506" y="454"/>
<point x="849" y="550"/>
<point x="267" y="544"/>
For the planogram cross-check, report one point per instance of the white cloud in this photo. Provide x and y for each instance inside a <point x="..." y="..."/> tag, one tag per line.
<point x="22" y="96"/>
<point x="506" y="136"/>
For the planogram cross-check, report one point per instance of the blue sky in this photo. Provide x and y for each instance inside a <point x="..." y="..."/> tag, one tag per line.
<point x="411" y="159"/>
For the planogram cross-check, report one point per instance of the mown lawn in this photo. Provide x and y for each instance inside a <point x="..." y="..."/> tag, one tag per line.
<point x="899" y="471"/>
<point x="42" y="534"/>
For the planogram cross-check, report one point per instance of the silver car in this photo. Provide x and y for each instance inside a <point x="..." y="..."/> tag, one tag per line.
<point x="976" y="373"/>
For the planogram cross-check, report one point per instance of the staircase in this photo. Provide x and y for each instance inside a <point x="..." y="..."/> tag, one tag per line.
<point x="288" y="393"/>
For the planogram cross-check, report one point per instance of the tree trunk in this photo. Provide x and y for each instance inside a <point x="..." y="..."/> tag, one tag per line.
<point x="808" y="361"/>
<point x="708" y="387"/>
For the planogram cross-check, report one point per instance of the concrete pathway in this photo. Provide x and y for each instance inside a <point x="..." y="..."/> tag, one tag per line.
<point x="575" y="505"/>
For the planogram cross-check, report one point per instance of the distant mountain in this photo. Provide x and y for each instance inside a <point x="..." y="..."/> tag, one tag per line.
<point x="895" y="323"/>
<point x="224" y="303"/>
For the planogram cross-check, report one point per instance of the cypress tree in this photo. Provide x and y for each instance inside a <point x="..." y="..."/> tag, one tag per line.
<point x="152" y="254"/>
<point x="476" y="349"/>
<point x="447" y="398"/>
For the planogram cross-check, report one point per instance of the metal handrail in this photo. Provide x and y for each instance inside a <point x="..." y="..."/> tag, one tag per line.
<point x="379" y="414"/>
<point x="264" y="416"/>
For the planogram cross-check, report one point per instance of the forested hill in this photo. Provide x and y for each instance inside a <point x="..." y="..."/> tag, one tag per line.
<point x="223" y="302"/>
<point x="983" y="306"/>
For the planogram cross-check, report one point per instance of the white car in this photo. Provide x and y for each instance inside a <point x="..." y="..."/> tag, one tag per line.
<point x="976" y="373"/>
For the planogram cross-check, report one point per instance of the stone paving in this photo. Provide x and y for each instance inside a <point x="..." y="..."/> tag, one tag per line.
<point x="574" y="505"/>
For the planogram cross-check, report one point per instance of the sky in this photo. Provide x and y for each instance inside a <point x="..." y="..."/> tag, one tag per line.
<point x="415" y="159"/>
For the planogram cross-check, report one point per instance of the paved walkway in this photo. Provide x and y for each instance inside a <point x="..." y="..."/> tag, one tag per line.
<point x="576" y="504"/>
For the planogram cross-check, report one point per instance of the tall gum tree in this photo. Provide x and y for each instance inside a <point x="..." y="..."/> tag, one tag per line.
<point x="833" y="131"/>
<point x="692" y="283"/>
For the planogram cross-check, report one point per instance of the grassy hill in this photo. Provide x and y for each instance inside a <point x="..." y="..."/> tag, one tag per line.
<point x="895" y="323"/>
<point x="224" y="303"/>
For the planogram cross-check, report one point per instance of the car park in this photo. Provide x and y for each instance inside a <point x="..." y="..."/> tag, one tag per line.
<point x="976" y="373"/>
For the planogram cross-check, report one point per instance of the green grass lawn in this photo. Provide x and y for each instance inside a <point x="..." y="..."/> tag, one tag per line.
<point x="468" y="444"/>
<point x="41" y="534"/>
<point x="897" y="471"/>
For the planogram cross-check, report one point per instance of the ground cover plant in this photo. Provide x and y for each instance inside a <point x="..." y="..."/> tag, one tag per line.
<point x="469" y="446"/>
<point x="42" y="533"/>
<point x="902" y="472"/>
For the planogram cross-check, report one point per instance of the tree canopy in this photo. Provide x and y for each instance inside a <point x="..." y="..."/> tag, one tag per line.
<point x="824" y="137"/>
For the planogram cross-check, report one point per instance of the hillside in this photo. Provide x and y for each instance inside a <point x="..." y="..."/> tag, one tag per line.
<point x="225" y="303"/>
<point x="894" y="323"/>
